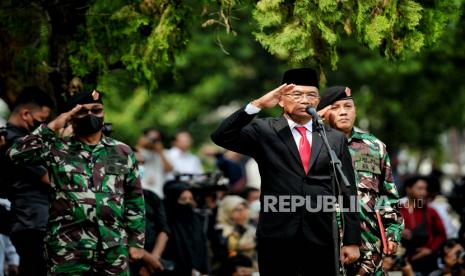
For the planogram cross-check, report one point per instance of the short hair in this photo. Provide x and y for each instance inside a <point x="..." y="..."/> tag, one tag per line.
<point x="409" y="182"/>
<point x="175" y="137"/>
<point x="448" y="244"/>
<point x="147" y="130"/>
<point x="33" y="96"/>
<point x="247" y="190"/>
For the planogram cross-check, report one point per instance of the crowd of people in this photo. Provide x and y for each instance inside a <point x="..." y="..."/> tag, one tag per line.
<point x="74" y="201"/>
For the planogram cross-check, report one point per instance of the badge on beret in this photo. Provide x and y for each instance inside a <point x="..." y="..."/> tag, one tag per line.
<point x="85" y="97"/>
<point x="96" y="95"/>
<point x="347" y="91"/>
<point x="334" y="94"/>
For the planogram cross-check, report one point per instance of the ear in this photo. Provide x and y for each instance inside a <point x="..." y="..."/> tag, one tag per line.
<point x="25" y="114"/>
<point x="281" y="104"/>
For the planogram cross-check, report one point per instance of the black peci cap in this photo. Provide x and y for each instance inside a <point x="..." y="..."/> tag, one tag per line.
<point x="301" y="76"/>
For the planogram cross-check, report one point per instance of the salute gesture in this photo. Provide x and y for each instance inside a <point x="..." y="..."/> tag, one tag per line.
<point x="64" y="118"/>
<point x="272" y="98"/>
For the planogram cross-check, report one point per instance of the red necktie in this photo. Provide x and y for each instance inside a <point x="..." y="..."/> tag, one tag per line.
<point x="304" y="148"/>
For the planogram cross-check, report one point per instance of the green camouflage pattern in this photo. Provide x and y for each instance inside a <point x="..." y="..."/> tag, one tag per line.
<point x="113" y="261"/>
<point x="376" y="191"/>
<point x="96" y="192"/>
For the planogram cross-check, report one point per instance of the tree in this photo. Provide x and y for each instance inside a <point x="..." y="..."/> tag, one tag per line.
<point x="408" y="102"/>
<point x="215" y="69"/>
<point x="172" y="63"/>
<point x="309" y="30"/>
<point x="55" y="40"/>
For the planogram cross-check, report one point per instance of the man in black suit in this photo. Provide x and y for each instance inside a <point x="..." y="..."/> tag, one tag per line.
<point x="294" y="163"/>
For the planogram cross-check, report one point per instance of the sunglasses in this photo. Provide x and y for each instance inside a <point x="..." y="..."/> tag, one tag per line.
<point x="84" y="111"/>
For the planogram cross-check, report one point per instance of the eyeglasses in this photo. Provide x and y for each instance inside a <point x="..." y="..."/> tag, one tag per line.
<point x="299" y="95"/>
<point x="84" y="111"/>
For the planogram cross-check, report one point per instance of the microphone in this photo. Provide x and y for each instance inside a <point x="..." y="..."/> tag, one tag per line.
<point x="311" y="110"/>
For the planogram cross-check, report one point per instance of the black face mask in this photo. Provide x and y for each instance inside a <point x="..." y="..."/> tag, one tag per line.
<point x="36" y="124"/>
<point x="87" y="125"/>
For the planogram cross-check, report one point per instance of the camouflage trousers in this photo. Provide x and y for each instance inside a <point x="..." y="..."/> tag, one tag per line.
<point x="79" y="261"/>
<point x="368" y="265"/>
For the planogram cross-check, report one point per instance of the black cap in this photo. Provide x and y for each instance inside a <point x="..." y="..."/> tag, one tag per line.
<point x="85" y="97"/>
<point x="334" y="94"/>
<point x="301" y="76"/>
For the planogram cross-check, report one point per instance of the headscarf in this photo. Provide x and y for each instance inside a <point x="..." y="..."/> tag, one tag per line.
<point x="187" y="245"/>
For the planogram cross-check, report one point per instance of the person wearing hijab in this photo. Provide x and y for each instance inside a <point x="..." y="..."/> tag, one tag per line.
<point x="187" y="246"/>
<point x="237" y="234"/>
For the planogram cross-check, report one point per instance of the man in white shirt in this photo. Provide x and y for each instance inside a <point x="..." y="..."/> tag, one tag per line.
<point x="155" y="163"/>
<point x="182" y="160"/>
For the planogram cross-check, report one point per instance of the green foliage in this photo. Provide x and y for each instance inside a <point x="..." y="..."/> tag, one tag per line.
<point x="205" y="78"/>
<point x="408" y="103"/>
<point x="143" y="36"/>
<point x="180" y="64"/>
<point x="311" y="31"/>
<point x="30" y="49"/>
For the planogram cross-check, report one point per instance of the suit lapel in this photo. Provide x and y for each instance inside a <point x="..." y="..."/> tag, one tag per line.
<point x="284" y="132"/>
<point x="317" y="143"/>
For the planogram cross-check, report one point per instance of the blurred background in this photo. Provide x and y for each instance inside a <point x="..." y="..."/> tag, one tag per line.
<point x="186" y="65"/>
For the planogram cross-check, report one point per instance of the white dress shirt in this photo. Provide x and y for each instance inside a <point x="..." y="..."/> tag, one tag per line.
<point x="183" y="162"/>
<point x="153" y="178"/>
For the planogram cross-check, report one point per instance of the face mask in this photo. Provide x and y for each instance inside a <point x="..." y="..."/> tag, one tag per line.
<point x="36" y="123"/>
<point x="87" y="125"/>
<point x="184" y="209"/>
<point x="255" y="206"/>
<point x="141" y="171"/>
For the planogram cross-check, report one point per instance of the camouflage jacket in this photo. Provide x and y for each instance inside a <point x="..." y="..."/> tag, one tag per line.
<point x="96" y="193"/>
<point x="376" y="190"/>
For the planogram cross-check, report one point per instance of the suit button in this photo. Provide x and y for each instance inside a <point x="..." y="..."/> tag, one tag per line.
<point x="306" y="180"/>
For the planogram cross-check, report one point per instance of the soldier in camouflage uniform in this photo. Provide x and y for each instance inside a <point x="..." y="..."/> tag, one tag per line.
<point x="97" y="207"/>
<point x="376" y="189"/>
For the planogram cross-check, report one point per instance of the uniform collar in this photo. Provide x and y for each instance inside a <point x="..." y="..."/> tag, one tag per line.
<point x="17" y="129"/>
<point x="357" y="133"/>
<point x="108" y="141"/>
<point x="293" y="124"/>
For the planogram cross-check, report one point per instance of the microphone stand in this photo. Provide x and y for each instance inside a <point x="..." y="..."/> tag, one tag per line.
<point x="335" y="172"/>
<point x="334" y="160"/>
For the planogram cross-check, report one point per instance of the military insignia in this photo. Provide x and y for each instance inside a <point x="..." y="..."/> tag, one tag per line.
<point x="367" y="163"/>
<point x="115" y="165"/>
<point x="95" y="95"/>
<point x="348" y="92"/>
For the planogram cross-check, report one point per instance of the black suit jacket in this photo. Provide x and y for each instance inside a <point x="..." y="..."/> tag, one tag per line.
<point x="270" y="142"/>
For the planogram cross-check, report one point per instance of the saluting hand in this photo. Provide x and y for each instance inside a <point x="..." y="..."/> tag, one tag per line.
<point x="272" y="98"/>
<point x="323" y="113"/>
<point x="64" y="118"/>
